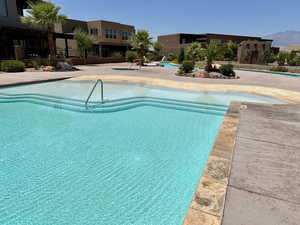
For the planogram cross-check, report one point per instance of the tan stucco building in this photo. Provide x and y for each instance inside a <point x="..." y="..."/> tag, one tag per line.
<point x="111" y="38"/>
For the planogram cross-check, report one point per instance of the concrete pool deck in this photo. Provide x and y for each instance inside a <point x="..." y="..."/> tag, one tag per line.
<point x="252" y="176"/>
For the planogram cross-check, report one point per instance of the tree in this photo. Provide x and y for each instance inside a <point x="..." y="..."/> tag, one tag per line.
<point x="45" y="14"/>
<point x="181" y="56"/>
<point x="195" y="52"/>
<point x="211" y="54"/>
<point x="281" y="58"/>
<point x="141" y="42"/>
<point x="228" y="51"/>
<point x="158" y="47"/>
<point x="84" y="42"/>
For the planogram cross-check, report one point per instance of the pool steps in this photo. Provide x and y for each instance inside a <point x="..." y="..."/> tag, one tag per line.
<point x="113" y="105"/>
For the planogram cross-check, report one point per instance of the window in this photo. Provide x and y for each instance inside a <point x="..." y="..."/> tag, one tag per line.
<point x="126" y="35"/>
<point x="110" y="33"/>
<point x="3" y="7"/>
<point x="94" y="31"/>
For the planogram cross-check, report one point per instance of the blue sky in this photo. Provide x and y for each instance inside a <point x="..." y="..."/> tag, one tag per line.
<point x="244" y="17"/>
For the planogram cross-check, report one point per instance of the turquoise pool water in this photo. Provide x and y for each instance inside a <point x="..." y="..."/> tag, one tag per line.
<point x="174" y="66"/>
<point x="136" y="161"/>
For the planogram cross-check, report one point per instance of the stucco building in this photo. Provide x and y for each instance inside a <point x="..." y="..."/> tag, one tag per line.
<point x="174" y="42"/>
<point x="32" y="41"/>
<point x="111" y="38"/>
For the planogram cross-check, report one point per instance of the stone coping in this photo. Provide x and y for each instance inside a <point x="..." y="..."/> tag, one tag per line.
<point x="292" y="97"/>
<point x="208" y="203"/>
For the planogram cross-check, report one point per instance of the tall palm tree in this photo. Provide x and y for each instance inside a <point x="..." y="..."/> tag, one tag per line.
<point x="211" y="54"/>
<point x="141" y="42"/>
<point x="45" y="14"/>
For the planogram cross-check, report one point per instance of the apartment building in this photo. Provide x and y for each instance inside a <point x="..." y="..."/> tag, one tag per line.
<point x="174" y="42"/>
<point x="111" y="38"/>
<point x="33" y="40"/>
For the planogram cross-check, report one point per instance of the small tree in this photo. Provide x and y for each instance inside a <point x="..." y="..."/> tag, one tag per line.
<point x="45" y="14"/>
<point x="158" y="47"/>
<point x="84" y="42"/>
<point x="181" y="56"/>
<point x="269" y="56"/>
<point x="141" y="42"/>
<point x="211" y="54"/>
<point x="281" y="58"/>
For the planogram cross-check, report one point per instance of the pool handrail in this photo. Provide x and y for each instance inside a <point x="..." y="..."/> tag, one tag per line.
<point x="92" y="91"/>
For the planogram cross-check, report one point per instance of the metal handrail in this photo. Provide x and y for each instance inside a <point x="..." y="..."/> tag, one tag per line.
<point x="90" y="95"/>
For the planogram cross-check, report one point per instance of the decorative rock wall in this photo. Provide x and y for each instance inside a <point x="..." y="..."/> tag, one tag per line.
<point x="253" y="52"/>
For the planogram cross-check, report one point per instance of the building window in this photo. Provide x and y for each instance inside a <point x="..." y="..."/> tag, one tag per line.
<point x="3" y="7"/>
<point x="126" y="35"/>
<point x="110" y="33"/>
<point x="94" y="31"/>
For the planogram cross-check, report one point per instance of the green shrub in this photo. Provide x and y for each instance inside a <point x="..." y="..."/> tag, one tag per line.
<point x="52" y="61"/>
<point x="279" y="69"/>
<point x="131" y="56"/>
<point x="12" y="66"/>
<point x="171" y="57"/>
<point x="281" y="58"/>
<point x="181" y="56"/>
<point x="187" y="67"/>
<point x="227" y="70"/>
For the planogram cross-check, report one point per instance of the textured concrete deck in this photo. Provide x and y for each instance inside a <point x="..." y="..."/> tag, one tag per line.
<point x="246" y="78"/>
<point x="264" y="184"/>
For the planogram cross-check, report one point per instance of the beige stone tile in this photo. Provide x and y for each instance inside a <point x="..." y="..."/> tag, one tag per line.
<point x="227" y="135"/>
<point x="210" y="197"/>
<point x="195" y="217"/>
<point x="218" y="169"/>
<point x="225" y="153"/>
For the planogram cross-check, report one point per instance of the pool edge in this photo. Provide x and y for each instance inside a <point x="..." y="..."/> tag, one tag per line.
<point x="207" y="205"/>
<point x="288" y="96"/>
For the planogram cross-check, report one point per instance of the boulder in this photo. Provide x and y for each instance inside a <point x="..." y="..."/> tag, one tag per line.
<point x="64" y="66"/>
<point x="202" y="74"/>
<point x="48" y="68"/>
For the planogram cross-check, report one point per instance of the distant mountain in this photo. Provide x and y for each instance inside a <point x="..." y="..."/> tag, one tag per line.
<point x="285" y="39"/>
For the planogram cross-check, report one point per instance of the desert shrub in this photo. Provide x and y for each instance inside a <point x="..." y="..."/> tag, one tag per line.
<point x="281" y="58"/>
<point x="171" y="57"/>
<point x="279" y="69"/>
<point x="150" y="56"/>
<point x="269" y="57"/>
<point x="227" y="70"/>
<point x="131" y="56"/>
<point x="175" y="61"/>
<point x="12" y="66"/>
<point x="187" y="67"/>
<point x="292" y="59"/>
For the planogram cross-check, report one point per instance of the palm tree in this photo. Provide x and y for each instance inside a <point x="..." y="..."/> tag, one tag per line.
<point x="141" y="42"/>
<point x="195" y="52"/>
<point x="211" y="54"/>
<point x="84" y="42"/>
<point x="45" y="14"/>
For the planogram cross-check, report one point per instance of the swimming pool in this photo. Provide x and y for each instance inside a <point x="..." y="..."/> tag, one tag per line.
<point x="138" y="161"/>
<point x="174" y="66"/>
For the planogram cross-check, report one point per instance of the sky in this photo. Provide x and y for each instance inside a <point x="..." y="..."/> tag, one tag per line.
<point x="241" y="17"/>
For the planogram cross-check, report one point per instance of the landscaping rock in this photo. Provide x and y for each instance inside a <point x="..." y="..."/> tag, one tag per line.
<point x="202" y="74"/>
<point x="64" y="66"/>
<point x="48" y="68"/>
